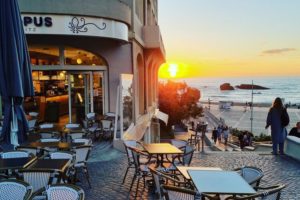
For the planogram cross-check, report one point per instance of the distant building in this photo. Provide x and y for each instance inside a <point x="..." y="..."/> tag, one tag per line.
<point x="79" y="50"/>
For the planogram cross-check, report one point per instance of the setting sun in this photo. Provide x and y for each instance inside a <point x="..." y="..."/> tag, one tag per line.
<point x="173" y="68"/>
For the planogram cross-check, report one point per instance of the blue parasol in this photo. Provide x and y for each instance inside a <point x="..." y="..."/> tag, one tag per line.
<point x="15" y="72"/>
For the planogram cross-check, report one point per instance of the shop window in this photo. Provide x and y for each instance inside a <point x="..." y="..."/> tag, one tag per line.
<point x="44" y="55"/>
<point x="75" y="56"/>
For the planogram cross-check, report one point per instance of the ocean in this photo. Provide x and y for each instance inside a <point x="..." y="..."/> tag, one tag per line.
<point x="287" y="88"/>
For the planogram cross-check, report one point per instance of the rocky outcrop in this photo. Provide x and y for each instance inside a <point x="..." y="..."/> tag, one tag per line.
<point x="226" y="86"/>
<point x="249" y="87"/>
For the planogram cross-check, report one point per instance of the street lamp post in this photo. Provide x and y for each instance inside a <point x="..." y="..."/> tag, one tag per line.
<point x="251" y="117"/>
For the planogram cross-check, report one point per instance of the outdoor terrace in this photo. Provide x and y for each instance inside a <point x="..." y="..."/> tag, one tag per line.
<point x="107" y="167"/>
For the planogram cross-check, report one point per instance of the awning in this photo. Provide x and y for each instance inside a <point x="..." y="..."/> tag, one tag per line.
<point x="162" y="116"/>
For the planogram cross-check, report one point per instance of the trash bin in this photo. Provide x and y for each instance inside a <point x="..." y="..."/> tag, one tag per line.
<point x="52" y="112"/>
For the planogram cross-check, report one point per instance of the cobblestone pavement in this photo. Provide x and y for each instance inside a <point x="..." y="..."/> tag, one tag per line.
<point x="106" y="175"/>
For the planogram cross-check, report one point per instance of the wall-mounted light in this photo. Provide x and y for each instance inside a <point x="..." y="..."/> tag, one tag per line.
<point x="79" y="61"/>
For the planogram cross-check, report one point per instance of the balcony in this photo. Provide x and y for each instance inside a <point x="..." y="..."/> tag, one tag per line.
<point x="152" y="38"/>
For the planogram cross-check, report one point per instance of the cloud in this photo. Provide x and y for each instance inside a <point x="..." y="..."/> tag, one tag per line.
<point x="277" y="51"/>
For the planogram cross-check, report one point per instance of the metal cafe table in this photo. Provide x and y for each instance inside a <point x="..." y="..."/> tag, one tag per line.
<point x="184" y="170"/>
<point x="161" y="149"/>
<point x="58" y="165"/>
<point x="220" y="182"/>
<point x="10" y="164"/>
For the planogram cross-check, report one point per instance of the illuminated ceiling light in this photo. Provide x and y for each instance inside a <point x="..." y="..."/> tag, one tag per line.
<point x="79" y="61"/>
<point x="80" y="76"/>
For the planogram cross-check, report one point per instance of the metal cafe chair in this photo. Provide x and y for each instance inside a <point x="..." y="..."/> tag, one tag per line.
<point x="141" y="170"/>
<point x="15" y="189"/>
<point x="106" y="126"/>
<point x="252" y="175"/>
<point x="160" y="178"/>
<point x="38" y="179"/>
<point x="264" y="193"/>
<point x="64" y="191"/>
<point x="82" y="154"/>
<point x="67" y="175"/>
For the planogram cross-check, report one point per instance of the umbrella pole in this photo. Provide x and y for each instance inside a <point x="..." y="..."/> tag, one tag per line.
<point x="14" y="126"/>
<point x="0" y="107"/>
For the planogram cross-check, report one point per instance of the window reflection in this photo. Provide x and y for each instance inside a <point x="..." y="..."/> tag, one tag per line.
<point x="80" y="57"/>
<point x="44" y="55"/>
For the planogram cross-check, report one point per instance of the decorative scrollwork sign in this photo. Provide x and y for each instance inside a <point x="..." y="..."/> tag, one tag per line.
<point x="79" y="25"/>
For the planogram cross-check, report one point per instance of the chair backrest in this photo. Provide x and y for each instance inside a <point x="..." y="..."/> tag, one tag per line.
<point x="45" y="126"/>
<point x="15" y="154"/>
<point x="252" y="175"/>
<point x="46" y="135"/>
<point x="82" y="140"/>
<point x="70" y="126"/>
<point x="178" y="143"/>
<point x="106" y="124"/>
<point x="31" y="123"/>
<point x="85" y="124"/>
<point x="14" y="189"/>
<point x="49" y="140"/>
<point x="91" y="116"/>
<point x="127" y="144"/>
<point x="135" y="157"/>
<point x="65" y="191"/>
<point x="37" y="178"/>
<point x="62" y="155"/>
<point x="173" y="193"/>
<point x="33" y="114"/>
<point x="82" y="153"/>
<point x="188" y="155"/>
<point x="76" y="135"/>
<point x="30" y="150"/>
<point x="269" y="193"/>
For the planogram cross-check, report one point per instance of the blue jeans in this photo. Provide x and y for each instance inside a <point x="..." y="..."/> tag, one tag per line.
<point x="281" y="147"/>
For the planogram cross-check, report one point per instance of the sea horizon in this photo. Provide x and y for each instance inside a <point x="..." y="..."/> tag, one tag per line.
<point x="285" y="87"/>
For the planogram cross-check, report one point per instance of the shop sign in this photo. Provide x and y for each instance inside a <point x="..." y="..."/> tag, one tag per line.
<point x="74" y="25"/>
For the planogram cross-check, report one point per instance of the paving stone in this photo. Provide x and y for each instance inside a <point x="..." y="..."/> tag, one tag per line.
<point x="106" y="174"/>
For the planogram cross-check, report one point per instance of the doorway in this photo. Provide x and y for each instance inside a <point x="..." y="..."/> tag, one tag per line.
<point x="85" y="91"/>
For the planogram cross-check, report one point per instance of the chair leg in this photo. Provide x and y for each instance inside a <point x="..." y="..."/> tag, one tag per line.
<point x="87" y="176"/>
<point x="133" y="179"/>
<point x="137" y="187"/>
<point x="125" y="175"/>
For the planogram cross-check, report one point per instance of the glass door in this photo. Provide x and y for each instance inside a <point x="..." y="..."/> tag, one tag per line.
<point x="80" y="92"/>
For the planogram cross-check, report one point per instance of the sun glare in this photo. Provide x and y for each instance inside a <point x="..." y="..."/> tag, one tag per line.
<point x="173" y="69"/>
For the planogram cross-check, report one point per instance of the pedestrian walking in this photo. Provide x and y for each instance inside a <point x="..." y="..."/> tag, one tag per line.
<point x="215" y="135"/>
<point x="220" y="130"/>
<point x="225" y="134"/>
<point x="278" y="119"/>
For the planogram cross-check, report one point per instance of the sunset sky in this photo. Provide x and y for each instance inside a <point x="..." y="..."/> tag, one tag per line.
<point x="231" y="37"/>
